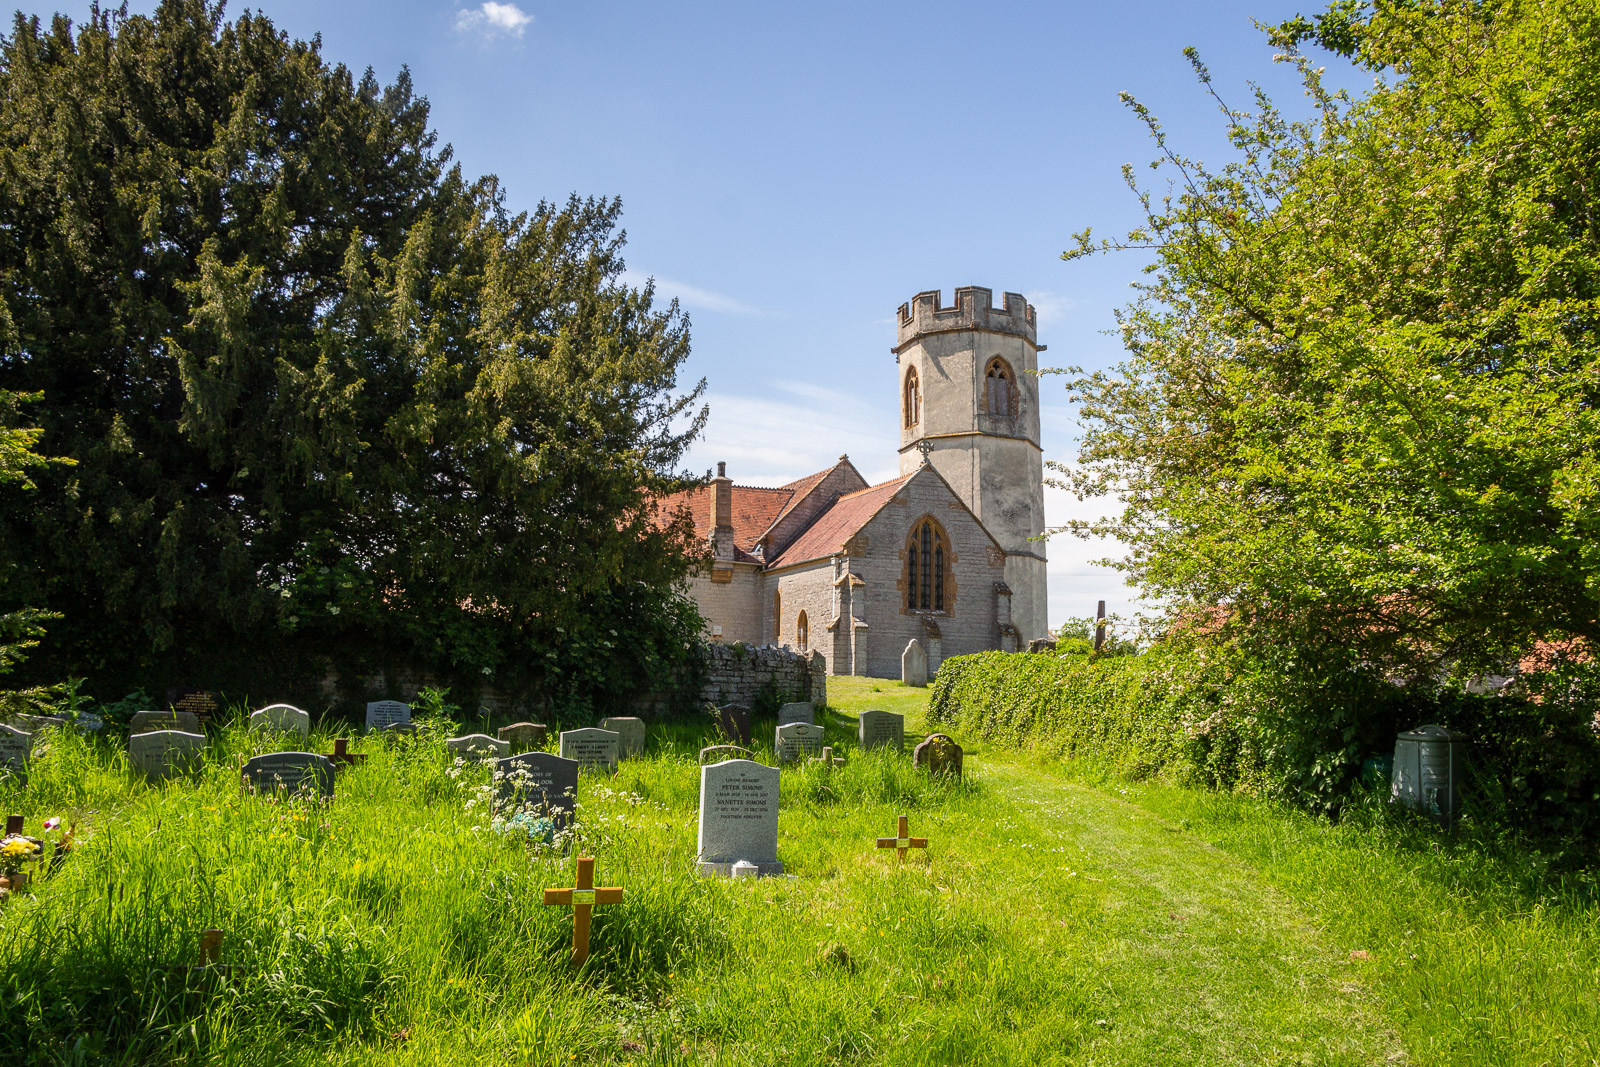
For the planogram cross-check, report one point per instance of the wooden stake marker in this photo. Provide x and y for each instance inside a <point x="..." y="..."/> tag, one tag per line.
<point x="341" y="756"/>
<point x="582" y="898"/>
<point x="903" y="839"/>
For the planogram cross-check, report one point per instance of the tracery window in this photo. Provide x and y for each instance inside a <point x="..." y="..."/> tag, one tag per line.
<point x="913" y="398"/>
<point x="1000" y="389"/>
<point x="926" y="554"/>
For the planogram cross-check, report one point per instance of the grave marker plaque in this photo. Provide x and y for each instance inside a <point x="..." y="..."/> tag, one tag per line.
<point x="15" y="748"/>
<point x="591" y="747"/>
<point x="199" y="702"/>
<point x="159" y="754"/>
<point x="280" y="719"/>
<point x="882" y="729"/>
<point x="738" y="818"/>
<point x="630" y="734"/>
<point x="292" y="772"/>
<point x="481" y="746"/>
<point x="146" y="721"/>
<point x="939" y="754"/>
<point x="539" y="782"/>
<point x="522" y="736"/>
<point x="797" y="741"/>
<point x="385" y="713"/>
<point x="801" y="711"/>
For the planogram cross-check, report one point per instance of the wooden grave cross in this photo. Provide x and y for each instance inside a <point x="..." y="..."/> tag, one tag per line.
<point x="902" y="839"/>
<point x="13" y="826"/>
<point x="341" y="756"/>
<point x="582" y="898"/>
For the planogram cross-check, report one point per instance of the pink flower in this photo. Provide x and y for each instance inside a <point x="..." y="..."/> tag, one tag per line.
<point x="52" y="823"/>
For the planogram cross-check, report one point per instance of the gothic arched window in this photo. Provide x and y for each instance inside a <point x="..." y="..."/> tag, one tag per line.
<point x="913" y="398"/>
<point x="927" y="555"/>
<point x="1000" y="389"/>
<point x="802" y="633"/>
<point x="777" y="617"/>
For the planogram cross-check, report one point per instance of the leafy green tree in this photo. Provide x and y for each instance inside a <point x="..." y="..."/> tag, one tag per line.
<point x="328" y="399"/>
<point x="1359" y="404"/>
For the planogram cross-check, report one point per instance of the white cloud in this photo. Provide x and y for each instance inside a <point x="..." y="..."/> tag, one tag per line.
<point x="1050" y="307"/>
<point x="692" y="296"/>
<point x="795" y="429"/>
<point x="493" y="20"/>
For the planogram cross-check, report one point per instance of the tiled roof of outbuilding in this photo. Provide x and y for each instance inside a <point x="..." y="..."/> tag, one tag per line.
<point x="839" y="523"/>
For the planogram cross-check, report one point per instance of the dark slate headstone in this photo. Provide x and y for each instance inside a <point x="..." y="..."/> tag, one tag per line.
<point x="524" y="736"/>
<point x="200" y="702"/>
<point x="738" y="818"/>
<point x="289" y="771"/>
<point x="15" y="748"/>
<point x="718" y="753"/>
<point x="385" y="713"/>
<point x="733" y="722"/>
<point x="591" y="747"/>
<point x="159" y="754"/>
<point x="797" y="741"/>
<point x="146" y="721"/>
<point x="630" y="734"/>
<point x="882" y="729"/>
<point x="537" y="782"/>
<point x="939" y="754"/>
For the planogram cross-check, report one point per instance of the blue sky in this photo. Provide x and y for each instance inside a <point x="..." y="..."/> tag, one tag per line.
<point x="794" y="173"/>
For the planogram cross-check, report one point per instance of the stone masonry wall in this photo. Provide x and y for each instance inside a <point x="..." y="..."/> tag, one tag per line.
<point x="738" y="674"/>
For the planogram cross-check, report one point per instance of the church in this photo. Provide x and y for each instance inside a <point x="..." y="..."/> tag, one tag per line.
<point x="946" y="553"/>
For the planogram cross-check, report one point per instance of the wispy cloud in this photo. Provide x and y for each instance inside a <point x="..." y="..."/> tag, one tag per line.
<point x="1050" y="307"/>
<point x="493" y="20"/>
<point x="792" y="429"/>
<point x="692" y="296"/>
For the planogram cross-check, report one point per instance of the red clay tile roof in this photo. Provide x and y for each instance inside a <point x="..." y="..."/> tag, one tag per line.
<point x="754" y="511"/>
<point x="839" y="523"/>
<point x="804" y="485"/>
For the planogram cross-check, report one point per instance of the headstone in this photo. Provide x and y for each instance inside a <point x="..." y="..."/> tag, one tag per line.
<point x="591" y="747"/>
<point x="630" y="733"/>
<point x="396" y="730"/>
<point x="882" y="729"/>
<point x="914" y="664"/>
<point x="382" y="713"/>
<point x="15" y="748"/>
<point x="738" y="817"/>
<point x="198" y="702"/>
<point x="798" y="740"/>
<point x="1041" y="644"/>
<point x="159" y="754"/>
<point x="280" y="719"/>
<point x="523" y="736"/>
<point x="718" y="753"/>
<point x="939" y="754"/>
<point x="145" y="721"/>
<point x="797" y="712"/>
<point x="539" y="782"/>
<point x="733" y="722"/>
<point x="34" y="723"/>
<point x="480" y="745"/>
<point x="290" y="771"/>
<point x="88" y="720"/>
<point x="828" y="760"/>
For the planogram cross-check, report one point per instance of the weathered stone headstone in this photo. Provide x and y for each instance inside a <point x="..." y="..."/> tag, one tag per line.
<point x="882" y="729"/>
<point x="828" y="760"/>
<point x="718" y="753"/>
<point x="798" y="740"/>
<point x="383" y="713"/>
<point x="145" y="721"/>
<point x="939" y="754"/>
<point x="738" y="817"/>
<point x="733" y="722"/>
<point x="481" y="746"/>
<point x="522" y="736"/>
<point x="397" y="730"/>
<point x="280" y="719"/>
<point x="34" y="723"/>
<point x="591" y="747"/>
<point x="198" y="702"/>
<point x="159" y="754"/>
<point x="289" y="771"/>
<point x="15" y="748"/>
<point x="539" y="782"/>
<point x="801" y="711"/>
<point x="914" y="664"/>
<point x="630" y="733"/>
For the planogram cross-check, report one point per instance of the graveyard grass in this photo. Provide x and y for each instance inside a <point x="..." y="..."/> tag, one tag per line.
<point x="1053" y="918"/>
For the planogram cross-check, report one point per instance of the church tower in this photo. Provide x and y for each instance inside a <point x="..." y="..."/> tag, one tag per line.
<point x="969" y="399"/>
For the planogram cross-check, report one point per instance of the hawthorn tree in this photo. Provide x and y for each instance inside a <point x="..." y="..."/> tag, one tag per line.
<point x="327" y="398"/>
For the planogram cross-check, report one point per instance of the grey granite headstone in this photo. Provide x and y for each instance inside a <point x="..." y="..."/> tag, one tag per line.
<point x="522" y="736"/>
<point x="630" y="733"/>
<point x="591" y="747"/>
<point x="280" y="719"/>
<point x="733" y="722"/>
<point x="914" y="664"/>
<point x="382" y="713"/>
<point x="718" y="753"/>
<point x="290" y="771"/>
<point x="145" y="721"/>
<point x="738" y="817"/>
<point x="480" y="745"/>
<point x="15" y="748"/>
<point x="882" y="729"/>
<point x="939" y="754"/>
<point x="539" y="782"/>
<point x="797" y="740"/>
<point x="159" y="754"/>
<point x="801" y="711"/>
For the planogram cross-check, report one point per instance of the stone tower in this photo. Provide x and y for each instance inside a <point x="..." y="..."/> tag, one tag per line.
<point x="969" y="397"/>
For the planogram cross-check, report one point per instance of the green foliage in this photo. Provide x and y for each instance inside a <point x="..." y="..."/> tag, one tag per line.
<point x="332" y="406"/>
<point x="1076" y="635"/>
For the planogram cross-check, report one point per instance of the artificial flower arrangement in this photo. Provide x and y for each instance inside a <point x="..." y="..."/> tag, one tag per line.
<point x="18" y="850"/>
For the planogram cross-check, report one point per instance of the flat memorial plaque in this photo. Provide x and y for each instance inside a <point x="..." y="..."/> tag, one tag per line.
<point x="882" y="729"/>
<point x="538" y="782"/>
<point x="797" y="741"/>
<point x="382" y="713"/>
<point x="159" y="754"/>
<point x="591" y="747"/>
<point x="291" y="771"/>
<point x="738" y="817"/>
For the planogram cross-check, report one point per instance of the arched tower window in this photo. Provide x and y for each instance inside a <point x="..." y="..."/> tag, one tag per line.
<point x="802" y="633"/>
<point x="927" y="563"/>
<point x="913" y="398"/>
<point x="1000" y="388"/>
<point x="777" y="616"/>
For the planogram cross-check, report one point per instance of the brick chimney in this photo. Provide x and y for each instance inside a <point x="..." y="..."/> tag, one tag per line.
<point x="722" y="514"/>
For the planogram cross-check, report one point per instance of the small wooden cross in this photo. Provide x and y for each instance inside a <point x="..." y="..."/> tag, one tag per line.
<point x="583" y="897"/>
<point x="341" y="756"/>
<point x="902" y="839"/>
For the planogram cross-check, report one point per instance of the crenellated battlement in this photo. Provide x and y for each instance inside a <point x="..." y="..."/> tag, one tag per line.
<point x="974" y="309"/>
